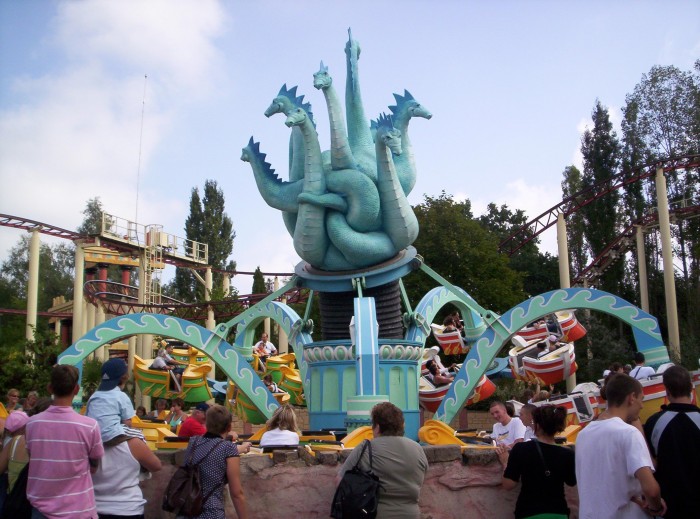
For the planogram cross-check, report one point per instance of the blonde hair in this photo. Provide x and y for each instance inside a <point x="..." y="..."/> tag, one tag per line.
<point x="283" y="418"/>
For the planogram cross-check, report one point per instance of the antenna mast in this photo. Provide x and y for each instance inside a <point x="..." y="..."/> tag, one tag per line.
<point x="138" y="169"/>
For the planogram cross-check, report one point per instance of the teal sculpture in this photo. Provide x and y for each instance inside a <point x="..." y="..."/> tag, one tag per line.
<point x="346" y="208"/>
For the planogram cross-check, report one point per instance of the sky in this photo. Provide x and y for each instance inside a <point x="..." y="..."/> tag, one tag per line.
<point x="511" y="86"/>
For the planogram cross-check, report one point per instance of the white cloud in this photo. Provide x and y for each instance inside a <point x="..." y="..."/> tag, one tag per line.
<point x="73" y="134"/>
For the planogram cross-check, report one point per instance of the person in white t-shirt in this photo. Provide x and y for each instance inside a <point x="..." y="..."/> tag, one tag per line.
<point x="281" y="428"/>
<point x="526" y="417"/>
<point x="640" y="371"/>
<point x="264" y="348"/>
<point x="614" y="470"/>
<point x="506" y="431"/>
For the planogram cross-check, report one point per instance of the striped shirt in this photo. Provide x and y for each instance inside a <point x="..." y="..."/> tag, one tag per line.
<point x="59" y="442"/>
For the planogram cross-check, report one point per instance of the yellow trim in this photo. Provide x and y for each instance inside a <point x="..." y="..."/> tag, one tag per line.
<point x="357" y="436"/>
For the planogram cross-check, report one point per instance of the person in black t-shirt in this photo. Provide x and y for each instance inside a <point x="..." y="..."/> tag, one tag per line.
<point x="542" y="465"/>
<point x="673" y="435"/>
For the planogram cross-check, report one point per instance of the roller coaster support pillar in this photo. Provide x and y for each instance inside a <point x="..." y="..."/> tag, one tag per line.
<point x="642" y="267"/>
<point x="564" y="277"/>
<point x="563" y="247"/>
<point x="674" y="342"/>
<point x="144" y="342"/>
<point x="33" y="284"/>
<point x="78" y="292"/>
<point x="226" y="281"/>
<point x="99" y="319"/>
<point x="211" y="322"/>
<point x="90" y="318"/>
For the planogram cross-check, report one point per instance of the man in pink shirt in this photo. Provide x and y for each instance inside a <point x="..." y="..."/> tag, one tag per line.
<point x="64" y="448"/>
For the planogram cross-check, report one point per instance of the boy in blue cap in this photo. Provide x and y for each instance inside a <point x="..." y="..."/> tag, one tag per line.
<point x="111" y="407"/>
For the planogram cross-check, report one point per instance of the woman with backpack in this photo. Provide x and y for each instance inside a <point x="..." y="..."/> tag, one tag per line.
<point x="219" y="463"/>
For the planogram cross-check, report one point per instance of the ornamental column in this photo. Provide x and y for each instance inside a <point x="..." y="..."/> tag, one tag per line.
<point x="33" y="284"/>
<point x="674" y="341"/>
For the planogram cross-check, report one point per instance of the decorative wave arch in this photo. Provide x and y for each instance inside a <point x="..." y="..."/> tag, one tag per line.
<point x="232" y="359"/>
<point x="645" y="328"/>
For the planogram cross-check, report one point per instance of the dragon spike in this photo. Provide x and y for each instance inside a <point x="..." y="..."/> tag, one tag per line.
<point x="401" y="101"/>
<point x="373" y="124"/>
<point x="251" y="141"/>
<point x="385" y="121"/>
<point x="323" y="68"/>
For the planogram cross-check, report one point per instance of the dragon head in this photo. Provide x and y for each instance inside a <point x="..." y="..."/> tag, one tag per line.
<point x="285" y="102"/>
<point x="296" y="117"/>
<point x="388" y="135"/>
<point x="322" y="79"/>
<point x="407" y="105"/>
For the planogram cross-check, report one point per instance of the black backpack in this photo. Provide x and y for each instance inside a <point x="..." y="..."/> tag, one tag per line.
<point x="357" y="495"/>
<point x="17" y="505"/>
<point x="183" y="495"/>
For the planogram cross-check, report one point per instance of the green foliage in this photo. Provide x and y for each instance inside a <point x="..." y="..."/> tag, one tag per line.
<point x="539" y="271"/>
<point x="601" y="150"/>
<point x="56" y="266"/>
<point x="461" y="250"/>
<point x="92" y="217"/>
<point x="91" y="377"/>
<point x="27" y="364"/>
<point x="606" y="346"/>
<point x="207" y="223"/>
<point x="259" y="284"/>
<point x="575" y="224"/>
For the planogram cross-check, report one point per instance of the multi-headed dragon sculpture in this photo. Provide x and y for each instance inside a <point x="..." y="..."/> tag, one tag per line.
<point x="346" y="208"/>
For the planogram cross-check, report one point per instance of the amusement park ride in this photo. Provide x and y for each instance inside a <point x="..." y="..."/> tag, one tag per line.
<point x="353" y="228"/>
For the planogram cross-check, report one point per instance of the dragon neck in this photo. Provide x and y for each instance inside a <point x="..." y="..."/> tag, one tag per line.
<point x="314" y="180"/>
<point x="359" y="134"/>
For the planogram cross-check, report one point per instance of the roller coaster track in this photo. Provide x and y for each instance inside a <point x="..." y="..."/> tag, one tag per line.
<point x="120" y="299"/>
<point x="575" y="202"/>
<point x="624" y="242"/>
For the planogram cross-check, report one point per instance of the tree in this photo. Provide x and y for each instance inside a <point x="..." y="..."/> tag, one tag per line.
<point x="600" y="150"/>
<point x="92" y="217"/>
<point x="462" y="251"/>
<point x="27" y="364"/>
<point x="56" y="266"/>
<point x="259" y="283"/>
<point x="540" y="271"/>
<point x="207" y="223"/>
<point x="575" y="225"/>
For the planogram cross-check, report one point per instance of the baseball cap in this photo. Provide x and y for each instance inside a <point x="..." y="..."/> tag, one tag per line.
<point x="202" y="406"/>
<point x="553" y="338"/>
<point x="112" y="372"/>
<point x="16" y="421"/>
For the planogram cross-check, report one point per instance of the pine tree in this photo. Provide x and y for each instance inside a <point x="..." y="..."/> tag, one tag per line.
<point x="600" y="150"/>
<point x="259" y="284"/>
<point x="207" y="223"/>
<point x="575" y="225"/>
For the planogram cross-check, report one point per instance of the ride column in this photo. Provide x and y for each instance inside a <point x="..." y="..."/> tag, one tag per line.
<point x="564" y="276"/>
<point x="674" y="341"/>
<point x="364" y="334"/>
<point x="642" y="268"/>
<point x="211" y="321"/>
<point x="100" y="316"/>
<point x="78" y="291"/>
<point x="33" y="284"/>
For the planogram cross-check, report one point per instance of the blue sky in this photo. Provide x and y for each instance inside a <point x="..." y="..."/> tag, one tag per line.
<point x="511" y="86"/>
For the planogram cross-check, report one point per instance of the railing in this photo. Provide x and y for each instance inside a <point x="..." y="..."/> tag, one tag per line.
<point x="121" y="229"/>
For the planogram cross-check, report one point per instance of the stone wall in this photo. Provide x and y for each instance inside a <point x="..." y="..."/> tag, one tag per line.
<point x="298" y="485"/>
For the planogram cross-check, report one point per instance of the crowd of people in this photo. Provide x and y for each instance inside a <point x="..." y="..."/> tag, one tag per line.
<point x="621" y="469"/>
<point x="88" y="466"/>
